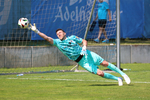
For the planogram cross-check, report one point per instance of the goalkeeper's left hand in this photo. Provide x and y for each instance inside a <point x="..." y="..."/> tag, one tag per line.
<point x="83" y="52"/>
<point x="33" y="28"/>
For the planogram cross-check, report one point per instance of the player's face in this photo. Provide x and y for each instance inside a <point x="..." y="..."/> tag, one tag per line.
<point x="61" y="35"/>
<point x="100" y="0"/>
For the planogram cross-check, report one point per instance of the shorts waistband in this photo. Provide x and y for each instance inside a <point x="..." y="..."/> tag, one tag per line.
<point x="79" y="58"/>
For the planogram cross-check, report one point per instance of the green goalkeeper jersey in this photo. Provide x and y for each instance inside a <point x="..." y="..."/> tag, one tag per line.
<point x="69" y="47"/>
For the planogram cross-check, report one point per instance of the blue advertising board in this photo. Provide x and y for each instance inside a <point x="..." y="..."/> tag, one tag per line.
<point x="134" y="17"/>
<point x="10" y="12"/>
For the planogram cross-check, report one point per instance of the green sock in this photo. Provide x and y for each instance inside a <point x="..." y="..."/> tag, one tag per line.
<point x="109" y="76"/>
<point x="114" y="68"/>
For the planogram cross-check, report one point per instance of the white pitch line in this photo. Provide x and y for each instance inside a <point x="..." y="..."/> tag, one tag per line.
<point x="141" y="82"/>
<point x="74" y="80"/>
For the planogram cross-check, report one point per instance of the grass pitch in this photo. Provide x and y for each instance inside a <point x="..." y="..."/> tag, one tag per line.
<point x="76" y="86"/>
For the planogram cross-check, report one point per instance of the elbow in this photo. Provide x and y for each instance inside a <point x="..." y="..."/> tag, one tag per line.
<point x="84" y="42"/>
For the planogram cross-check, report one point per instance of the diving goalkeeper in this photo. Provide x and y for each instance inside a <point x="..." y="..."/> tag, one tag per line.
<point x="85" y="58"/>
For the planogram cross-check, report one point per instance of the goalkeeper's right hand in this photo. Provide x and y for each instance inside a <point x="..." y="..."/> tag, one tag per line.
<point x="33" y="28"/>
<point x="83" y="51"/>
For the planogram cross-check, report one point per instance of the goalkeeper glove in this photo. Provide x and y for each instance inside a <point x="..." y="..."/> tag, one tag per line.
<point x="33" y="28"/>
<point x="83" y="52"/>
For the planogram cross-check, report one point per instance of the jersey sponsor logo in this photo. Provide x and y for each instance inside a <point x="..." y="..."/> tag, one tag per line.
<point x="71" y="41"/>
<point x="77" y="37"/>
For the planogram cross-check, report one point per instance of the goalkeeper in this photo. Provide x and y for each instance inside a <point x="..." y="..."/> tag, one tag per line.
<point x="85" y="58"/>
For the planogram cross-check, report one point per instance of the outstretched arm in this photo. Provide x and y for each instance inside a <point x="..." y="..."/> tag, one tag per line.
<point x="84" y="42"/>
<point x="96" y="17"/>
<point x="33" y="28"/>
<point x="83" y="52"/>
<point x="49" y="39"/>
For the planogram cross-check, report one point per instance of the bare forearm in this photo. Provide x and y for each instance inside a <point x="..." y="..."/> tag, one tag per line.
<point x="109" y="15"/>
<point x="33" y="28"/>
<point x="49" y="39"/>
<point x="96" y="17"/>
<point x="84" y="42"/>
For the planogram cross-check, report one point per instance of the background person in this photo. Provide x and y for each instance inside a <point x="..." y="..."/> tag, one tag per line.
<point x="103" y="9"/>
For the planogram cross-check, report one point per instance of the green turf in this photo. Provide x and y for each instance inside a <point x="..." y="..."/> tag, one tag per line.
<point x="76" y="86"/>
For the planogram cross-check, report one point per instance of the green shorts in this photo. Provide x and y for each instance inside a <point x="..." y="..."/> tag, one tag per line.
<point x="90" y="61"/>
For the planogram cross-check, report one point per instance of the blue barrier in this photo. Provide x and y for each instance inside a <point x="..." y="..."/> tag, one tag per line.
<point x="135" y="20"/>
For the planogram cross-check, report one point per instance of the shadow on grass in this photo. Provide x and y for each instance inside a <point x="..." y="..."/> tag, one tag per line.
<point x="104" y="85"/>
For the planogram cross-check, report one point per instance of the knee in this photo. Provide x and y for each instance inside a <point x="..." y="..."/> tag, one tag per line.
<point x="105" y="63"/>
<point x="100" y="73"/>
